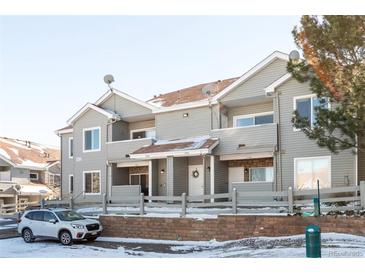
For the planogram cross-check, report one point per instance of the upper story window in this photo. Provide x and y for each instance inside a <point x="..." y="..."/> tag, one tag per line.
<point x="143" y="133"/>
<point x="253" y="119"/>
<point x="92" y="139"/>
<point x="306" y="105"/>
<point x="70" y="147"/>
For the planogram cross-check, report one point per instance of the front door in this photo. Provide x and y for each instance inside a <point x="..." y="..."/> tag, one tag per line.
<point x="196" y="180"/>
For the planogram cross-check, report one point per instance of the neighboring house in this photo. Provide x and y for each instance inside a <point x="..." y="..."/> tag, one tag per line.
<point x="28" y="171"/>
<point x="200" y="140"/>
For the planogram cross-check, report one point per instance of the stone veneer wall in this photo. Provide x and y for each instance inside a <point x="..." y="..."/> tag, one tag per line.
<point x="224" y="227"/>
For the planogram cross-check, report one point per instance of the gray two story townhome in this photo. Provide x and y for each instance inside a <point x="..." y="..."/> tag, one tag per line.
<point x="201" y="140"/>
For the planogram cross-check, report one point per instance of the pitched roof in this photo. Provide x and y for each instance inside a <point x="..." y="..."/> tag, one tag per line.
<point x="27" y="154"/>
<point x="190" y="94"/>
<point x="178" y="146"/>
<point x="106" y="112"/>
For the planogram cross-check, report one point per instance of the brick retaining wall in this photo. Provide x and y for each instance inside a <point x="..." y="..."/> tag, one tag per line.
<point x="224" y="227"/>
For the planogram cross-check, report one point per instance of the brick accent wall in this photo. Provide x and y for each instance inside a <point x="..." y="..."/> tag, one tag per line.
<point x="225" y="227"/>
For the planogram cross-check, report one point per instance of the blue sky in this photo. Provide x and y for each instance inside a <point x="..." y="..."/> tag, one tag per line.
<point x="50" y="66"/>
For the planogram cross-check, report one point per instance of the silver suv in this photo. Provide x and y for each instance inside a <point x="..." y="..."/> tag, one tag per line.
<point x="62" y="224"/>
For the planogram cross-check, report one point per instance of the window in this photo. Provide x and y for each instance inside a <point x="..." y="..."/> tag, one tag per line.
<point x="47" y="216"/>
<point x="92" y="182"/>
<point x="306" y="106"/>
<point x="33" y="176"/>
<point x="262" y="174"/>
<point x="253" y="119"/>
<point x="70" y="147"/>
<point x="71" y="183"/>
<point x="308" y="170"/>
<point x="37" y="216"/>
<point x="143" y="133"/>
<point x="140" y="179"/>
<point x="91" y="139"/>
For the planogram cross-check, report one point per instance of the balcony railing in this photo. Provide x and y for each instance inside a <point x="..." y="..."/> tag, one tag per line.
<point x="119" y="149"/>
<point x="250" y="139"/>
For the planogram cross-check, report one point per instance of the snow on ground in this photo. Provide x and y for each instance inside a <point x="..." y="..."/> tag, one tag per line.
<point x="333" y="245"/>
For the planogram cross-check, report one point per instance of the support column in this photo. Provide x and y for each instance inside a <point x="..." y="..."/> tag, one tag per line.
<point x="212" y="162"/>
<point x="150" y="193"/>
<point x="109" y="182"/>
<point x="170" y="176"/>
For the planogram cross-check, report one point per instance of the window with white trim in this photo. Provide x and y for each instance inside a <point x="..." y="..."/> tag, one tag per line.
<point x="33" y="176"/>
<point x="253" y="119"/>
<point x="143" y="133"/>
<point x="70" y="147"/>
<point x="306" y="105"/>
<point x="261" y="174"/>
<point x="308" y="170"/>
<point x="92" y="182"/>
<point x="91" y="139"/>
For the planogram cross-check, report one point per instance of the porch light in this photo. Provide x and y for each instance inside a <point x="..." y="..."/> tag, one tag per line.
<point x="162" y="171"/>
<point x="185" y="114"/>
<point x="246" y="170"/>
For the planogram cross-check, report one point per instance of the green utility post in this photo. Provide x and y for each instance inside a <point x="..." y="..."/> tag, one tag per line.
<point x="313" y="241"/>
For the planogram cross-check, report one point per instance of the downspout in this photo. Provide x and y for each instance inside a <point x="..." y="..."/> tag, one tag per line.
<point x="278" y="149"/>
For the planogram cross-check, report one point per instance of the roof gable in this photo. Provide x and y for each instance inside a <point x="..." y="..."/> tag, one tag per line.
<point x="247" y="75"/>
<point x="107" y="113"/>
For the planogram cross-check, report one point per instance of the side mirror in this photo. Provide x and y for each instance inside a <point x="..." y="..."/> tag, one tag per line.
<point x="53" y="221"/>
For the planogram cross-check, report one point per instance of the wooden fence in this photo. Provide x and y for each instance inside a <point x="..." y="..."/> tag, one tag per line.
<point x="11" y="209"/>
<point x="290" y="201"/>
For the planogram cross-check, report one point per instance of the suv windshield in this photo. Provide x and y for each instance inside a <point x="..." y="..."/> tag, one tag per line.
<point x="69" y="215"/>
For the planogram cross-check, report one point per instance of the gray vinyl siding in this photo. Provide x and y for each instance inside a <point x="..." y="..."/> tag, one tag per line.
<point x="67" y="167"/>
<point x="246" y="110"/>
<point x="294" y="144"/>
<point x="87" y="161"/>
<point x="180" y="175"/>
<point x="162" y="177"/>
<point x="155" y="181"/>
<point x="118" y="131"/>
<point x="172" y="125"/>
<point x="170" y="176"/>
<point x="20" y="175"/>
<point x="118" y="151"/>
<point x="220" y="176"/>
<point x="254" y="87"/>
<point x="260" y="138"/>
<point x="120" y="176"/>
<point x="125" y="107"/>
<point x="141" y="124"/>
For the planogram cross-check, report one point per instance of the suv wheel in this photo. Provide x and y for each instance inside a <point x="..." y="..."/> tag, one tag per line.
<point x="66" y="238"/>
<point x="27" y="235"/>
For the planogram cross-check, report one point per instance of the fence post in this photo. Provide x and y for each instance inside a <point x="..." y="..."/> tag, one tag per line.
<point x="141" y="204"/>
<point x="290" y="200"/>
<point x="234" y="200"/>
<point x="43" y="202"/>
<point x="16" y="204"/>
<point x="105" y="209"/>
<point x="71" y="202"/>
<point x="362" y="194"/>
<point x="183" y="205"/>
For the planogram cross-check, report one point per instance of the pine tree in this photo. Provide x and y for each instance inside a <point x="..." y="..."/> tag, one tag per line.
<point x="334" y="66"/>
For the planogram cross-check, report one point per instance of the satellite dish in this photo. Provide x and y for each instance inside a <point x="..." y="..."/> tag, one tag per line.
<point x="18" y="187"/>
<point x="294" y="55"/>
<point x="207" y="90"/>
<point x="43" y="191"/>
<point x="108" y="79"/>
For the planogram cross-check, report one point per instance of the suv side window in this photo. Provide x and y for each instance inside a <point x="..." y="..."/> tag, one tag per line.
<point x="29" y="215"/>
<point x="48" y="216"/>
<point x="37" y="216"/>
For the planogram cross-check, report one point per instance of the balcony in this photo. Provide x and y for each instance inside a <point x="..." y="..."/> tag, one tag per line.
<point x="250" y="139"/>
<point x="119" y="149"/>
